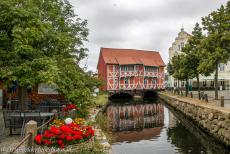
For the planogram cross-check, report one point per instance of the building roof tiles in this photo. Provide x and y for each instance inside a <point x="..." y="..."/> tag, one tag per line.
<point x="131" y="56"/>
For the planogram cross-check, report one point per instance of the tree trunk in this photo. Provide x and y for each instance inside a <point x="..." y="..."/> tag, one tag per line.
<point x="22" y="97"/>
<point x="186" y="88"/>
<point x="198" y="85"/>
<point x="216" y="82"/>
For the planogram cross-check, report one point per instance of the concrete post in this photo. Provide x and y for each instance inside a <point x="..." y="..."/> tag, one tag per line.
<point x="222" y="101"/>
<point x="30" y="127"/>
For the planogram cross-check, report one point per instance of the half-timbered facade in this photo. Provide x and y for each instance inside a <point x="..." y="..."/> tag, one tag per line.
<point x="128" y="69"/>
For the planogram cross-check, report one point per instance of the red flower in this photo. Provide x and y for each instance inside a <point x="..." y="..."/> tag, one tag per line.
<point x="45" y="141"/>
<point x="59" y="142"/>
<point x="77" y="137"/>
<point x="47" y="134"/>
<point x="69" y="138"/>
<point x="62" y="136"/>
<point x="55" y="130"/>
<point x="70" y="107"/>
<point x="38" y="139"/>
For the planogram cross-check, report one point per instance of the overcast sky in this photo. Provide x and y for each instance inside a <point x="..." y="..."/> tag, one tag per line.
<point x="139" y="24"/>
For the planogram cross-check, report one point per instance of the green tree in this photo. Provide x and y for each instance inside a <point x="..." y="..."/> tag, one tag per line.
<point x="180" y="69"/>
<point x="76" y="85"/>
<point x="216" y="46"/>
<point x="192" y="49"/>
<point x="34" y="36"/>
<point x="170" y="69"/>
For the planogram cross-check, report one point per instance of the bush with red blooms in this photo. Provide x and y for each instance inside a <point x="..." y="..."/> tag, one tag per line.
<point x="65" y="135"/>
<point x="70" y="107"/>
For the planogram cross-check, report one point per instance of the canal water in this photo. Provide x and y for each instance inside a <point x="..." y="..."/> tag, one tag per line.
<point x="155" y="128"/>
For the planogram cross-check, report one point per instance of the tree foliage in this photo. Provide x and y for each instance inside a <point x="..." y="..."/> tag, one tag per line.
<point x="42" y="41"/>
<point x="202" y="55"/>
<point x="193" y="53"/>
<point x="216" y="46"/>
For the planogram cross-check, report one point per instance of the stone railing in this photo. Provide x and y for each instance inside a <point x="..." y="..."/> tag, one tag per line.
<point x="212" y="119"/>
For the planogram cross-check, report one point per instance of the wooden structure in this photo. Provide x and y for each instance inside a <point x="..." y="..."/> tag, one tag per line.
<point x="129" y="70"/>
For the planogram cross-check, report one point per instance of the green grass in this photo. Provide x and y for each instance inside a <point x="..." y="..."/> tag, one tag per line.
<point x="103" y="122"/>
<point x="101" y="99"/>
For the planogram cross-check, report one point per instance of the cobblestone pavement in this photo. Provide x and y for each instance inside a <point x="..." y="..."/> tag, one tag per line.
<point x="7" y="143"/>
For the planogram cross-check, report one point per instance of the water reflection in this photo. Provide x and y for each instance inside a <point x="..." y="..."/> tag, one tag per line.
<point x="136" y="116"/>
<point x="156" y="128"/>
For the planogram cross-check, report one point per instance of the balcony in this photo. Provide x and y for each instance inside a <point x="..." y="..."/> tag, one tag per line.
<point x="128" y="73"/>
<point x="113" y="74"/>
<point x="128" y="86"/>
<point x="151" y="74"/>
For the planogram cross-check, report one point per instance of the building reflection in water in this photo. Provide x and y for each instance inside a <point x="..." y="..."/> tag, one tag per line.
<point x="135" y="116"/>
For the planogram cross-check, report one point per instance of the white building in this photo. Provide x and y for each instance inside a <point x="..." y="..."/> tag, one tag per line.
<point x="174" y="50"/>
<point x="205" y="82"/>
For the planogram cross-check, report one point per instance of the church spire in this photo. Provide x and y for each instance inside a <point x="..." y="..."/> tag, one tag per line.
<point x="182" y="29"/>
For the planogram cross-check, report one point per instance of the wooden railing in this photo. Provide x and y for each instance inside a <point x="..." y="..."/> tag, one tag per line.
<point x="31" y="129"/>
<point x="28" y="140"/>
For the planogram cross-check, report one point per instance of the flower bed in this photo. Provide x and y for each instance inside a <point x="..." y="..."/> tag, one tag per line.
<point x="65" y="132"/>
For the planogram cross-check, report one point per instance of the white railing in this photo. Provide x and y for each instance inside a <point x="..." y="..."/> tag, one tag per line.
<point x="134" y="86"/>
<point x="152" y="74"/>
<point x="128" y="86"/>
<point x="128" y="73"/>
<point x="113" y="74"/>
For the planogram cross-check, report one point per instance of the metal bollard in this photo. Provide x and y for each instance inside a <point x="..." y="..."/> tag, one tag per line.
<point x="202" y="95"/>
<point x="206" y="97"/>
<point x="222" y="101"/>
<point x="191" y="94"/>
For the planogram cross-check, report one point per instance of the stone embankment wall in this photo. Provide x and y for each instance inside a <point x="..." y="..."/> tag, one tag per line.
<point x="212" y="119"/>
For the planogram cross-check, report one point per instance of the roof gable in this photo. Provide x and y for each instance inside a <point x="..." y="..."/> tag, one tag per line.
<point x="131" y="56"/>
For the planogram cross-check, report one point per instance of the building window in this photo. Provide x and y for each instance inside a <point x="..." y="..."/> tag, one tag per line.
<point x="182" y="84"/>
<point x="145" y="81"/>
<point x="175" y="84"/>
<point x="115" y="81"/>
<point x="126" y="81"/>
<point x="222" y="83"/>
<point x="179" y="47"/>
<point x="212" y="83"/>
<point x="204" y="83"/>
<point x="154" y="81"/>
<point x="127" y="68"/>
<point x="115" y="68"/>
<point x="221" y="67"/>
<point x="150" y="69"/>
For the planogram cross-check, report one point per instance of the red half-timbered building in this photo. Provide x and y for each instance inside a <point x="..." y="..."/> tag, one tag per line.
<point x="129" y="69"/>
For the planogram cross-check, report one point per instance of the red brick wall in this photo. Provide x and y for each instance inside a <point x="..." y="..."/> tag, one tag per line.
<point x="102" y="72"/>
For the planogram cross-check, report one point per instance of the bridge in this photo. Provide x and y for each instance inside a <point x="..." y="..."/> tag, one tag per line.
<point x="132" y="94"/>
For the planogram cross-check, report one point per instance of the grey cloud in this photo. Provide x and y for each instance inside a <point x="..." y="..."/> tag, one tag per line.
<point x="140" y="24"/>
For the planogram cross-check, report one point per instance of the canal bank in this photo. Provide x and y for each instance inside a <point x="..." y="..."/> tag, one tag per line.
<point x="212" y="119"/>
